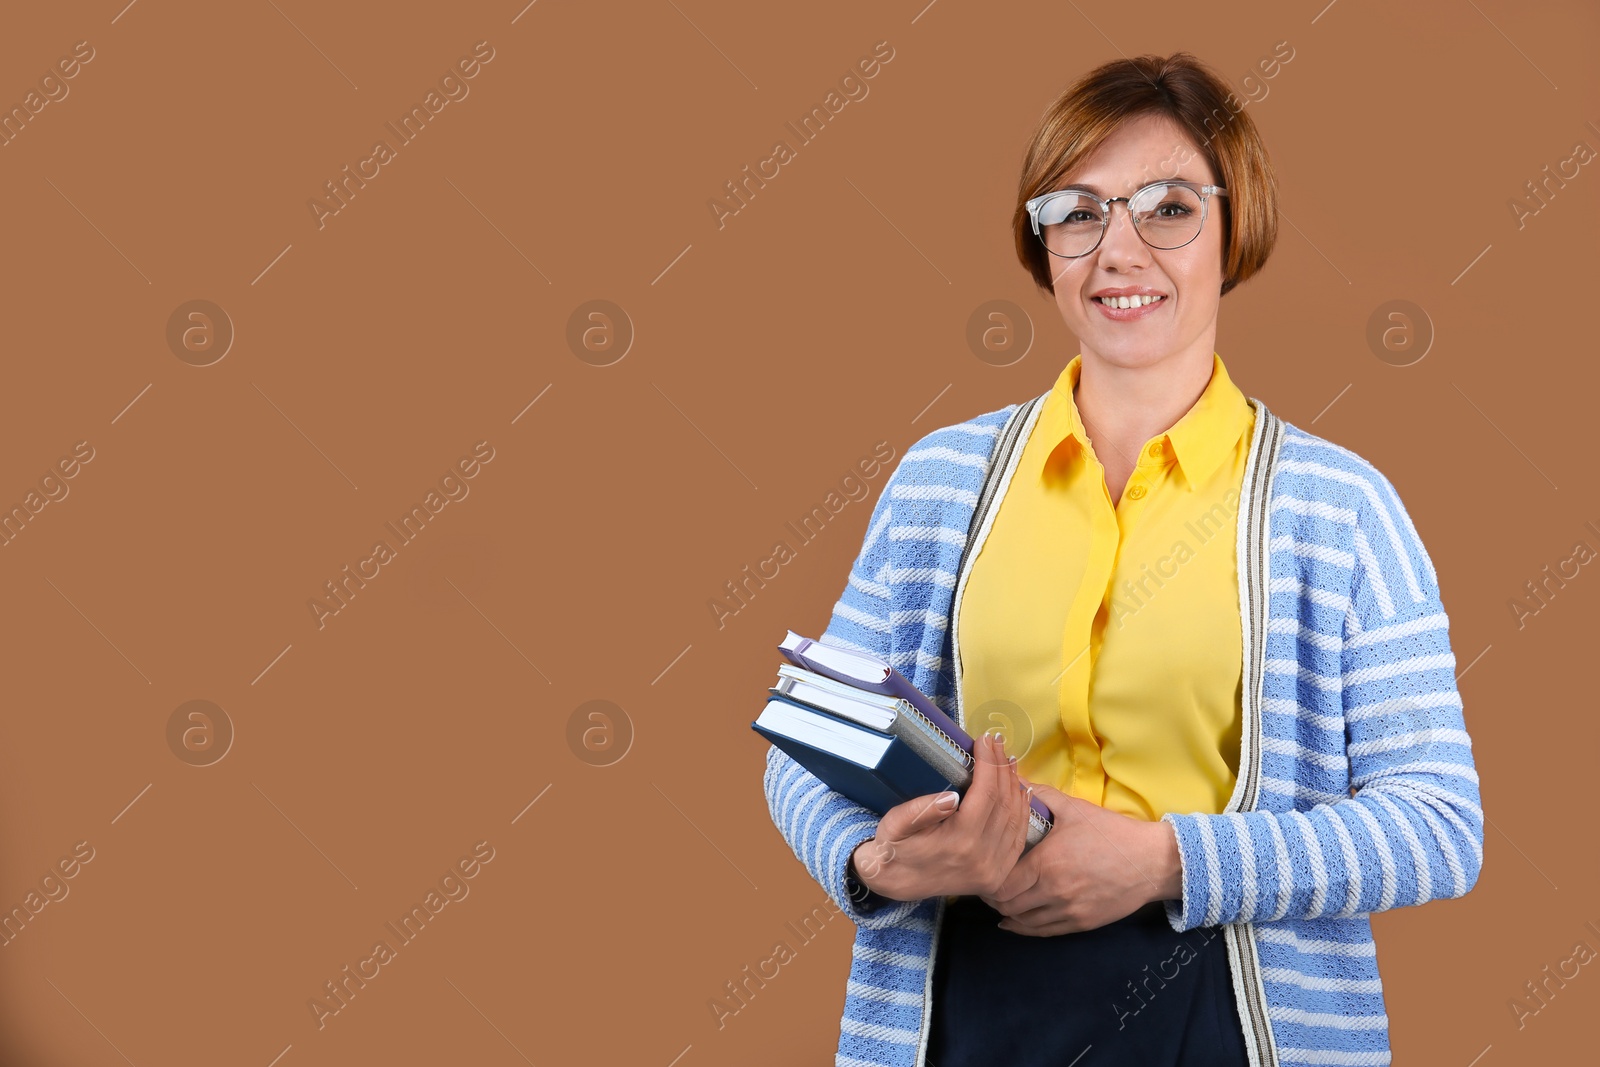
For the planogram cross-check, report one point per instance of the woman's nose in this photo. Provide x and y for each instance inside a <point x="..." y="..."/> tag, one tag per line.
<point x="1121" y="241"/>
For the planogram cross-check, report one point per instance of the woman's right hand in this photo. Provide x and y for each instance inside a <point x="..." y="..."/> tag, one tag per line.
<point x="924" y="850"/>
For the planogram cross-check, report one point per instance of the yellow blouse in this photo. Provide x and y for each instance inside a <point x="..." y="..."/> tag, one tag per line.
<point x="1104" y="638"/>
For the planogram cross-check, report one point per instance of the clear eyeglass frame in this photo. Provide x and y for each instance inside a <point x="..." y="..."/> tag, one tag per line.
<point x="1203" y="191"/>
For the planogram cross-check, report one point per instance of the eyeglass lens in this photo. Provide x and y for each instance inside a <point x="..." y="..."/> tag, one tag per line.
<point x="1166" y="216"/>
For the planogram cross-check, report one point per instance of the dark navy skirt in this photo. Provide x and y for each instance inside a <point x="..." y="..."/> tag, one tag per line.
<point x="1134" y="991"/>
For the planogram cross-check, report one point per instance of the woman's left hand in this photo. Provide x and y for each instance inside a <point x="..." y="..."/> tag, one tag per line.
<point x="1093" y="867"/>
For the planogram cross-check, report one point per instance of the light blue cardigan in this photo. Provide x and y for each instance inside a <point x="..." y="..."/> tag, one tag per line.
<point x="1356" y="789"/>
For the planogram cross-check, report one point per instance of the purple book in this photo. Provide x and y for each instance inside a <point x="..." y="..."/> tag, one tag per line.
<point x="868" y="672"/>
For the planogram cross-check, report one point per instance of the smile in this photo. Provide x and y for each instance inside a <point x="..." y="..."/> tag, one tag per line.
<point x="1128" y="308"/>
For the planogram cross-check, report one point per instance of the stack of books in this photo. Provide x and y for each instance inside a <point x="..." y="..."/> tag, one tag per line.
<point x="859" y="725"/>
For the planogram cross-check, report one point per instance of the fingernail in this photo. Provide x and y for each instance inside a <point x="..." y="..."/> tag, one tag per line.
<point x="947" y="801"/>
<point x="999" y="738"/>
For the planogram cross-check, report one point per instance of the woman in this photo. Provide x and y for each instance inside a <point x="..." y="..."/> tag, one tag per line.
<point x="1213" y="642"/>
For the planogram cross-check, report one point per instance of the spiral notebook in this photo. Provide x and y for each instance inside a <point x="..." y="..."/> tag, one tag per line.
<point x="854" y="689"/>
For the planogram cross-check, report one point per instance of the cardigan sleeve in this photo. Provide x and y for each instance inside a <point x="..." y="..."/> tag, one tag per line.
<point x="1412" y="829"/>
<point x="822" y="825"/>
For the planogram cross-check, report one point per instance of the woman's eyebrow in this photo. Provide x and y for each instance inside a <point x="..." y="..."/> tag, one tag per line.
<point x="1096" y="189"/>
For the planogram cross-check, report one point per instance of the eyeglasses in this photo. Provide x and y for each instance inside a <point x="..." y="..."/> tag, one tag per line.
<point x="1166" y="215"/>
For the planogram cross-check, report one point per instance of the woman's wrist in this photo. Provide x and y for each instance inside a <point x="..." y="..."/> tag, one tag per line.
<point x="1166" y="862"/>
<point x="859" y="893"/>
<point x="865" y="868"/>
<point x="856" y="888"/>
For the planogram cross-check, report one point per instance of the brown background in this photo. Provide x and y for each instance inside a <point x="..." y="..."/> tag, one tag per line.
<point x="769" y="356"/>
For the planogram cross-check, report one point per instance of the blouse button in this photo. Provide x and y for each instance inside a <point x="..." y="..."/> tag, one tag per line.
<point x="1136" y="491"/>
<point x="1155" y="450"/>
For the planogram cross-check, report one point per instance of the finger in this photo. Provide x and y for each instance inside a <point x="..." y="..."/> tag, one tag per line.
<point x="933" y="809"/>
<point x="1063" y="926"/>
<point x="995" y="812"/>
<point x="1024" y="812"/>
<point x="1018" y="885"/>
<point x="999" y="825"/>
<point x="917" y="814"/>
<point x="1059" y="804"/>
<point x="1030" y="911"/>
<point x="1021" y="894"/>
<point x="1016" y="829"/>
<point x="1014" y="833"/>
<point x="1034" y="909"/>
<point x="981" y="794"/>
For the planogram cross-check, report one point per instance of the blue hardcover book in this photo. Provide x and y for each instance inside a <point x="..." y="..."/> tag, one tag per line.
<point x="876" y="676"/>
<point x="875" y="769"/>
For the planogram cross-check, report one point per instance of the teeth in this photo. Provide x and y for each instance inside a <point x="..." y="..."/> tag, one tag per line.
<point x="1128" y="301"/>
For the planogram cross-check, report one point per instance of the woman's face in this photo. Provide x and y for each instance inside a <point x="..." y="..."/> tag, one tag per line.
<point x="1189" y="279"/>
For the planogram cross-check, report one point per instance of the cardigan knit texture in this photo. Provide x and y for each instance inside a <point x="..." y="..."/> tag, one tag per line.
<point x="1357" y="791"/>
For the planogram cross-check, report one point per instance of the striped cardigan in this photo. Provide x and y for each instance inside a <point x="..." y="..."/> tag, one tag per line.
<point x="1356" y="789"/>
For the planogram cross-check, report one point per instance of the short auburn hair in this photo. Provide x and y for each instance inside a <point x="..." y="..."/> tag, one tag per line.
<point x="1185" y="90"/>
